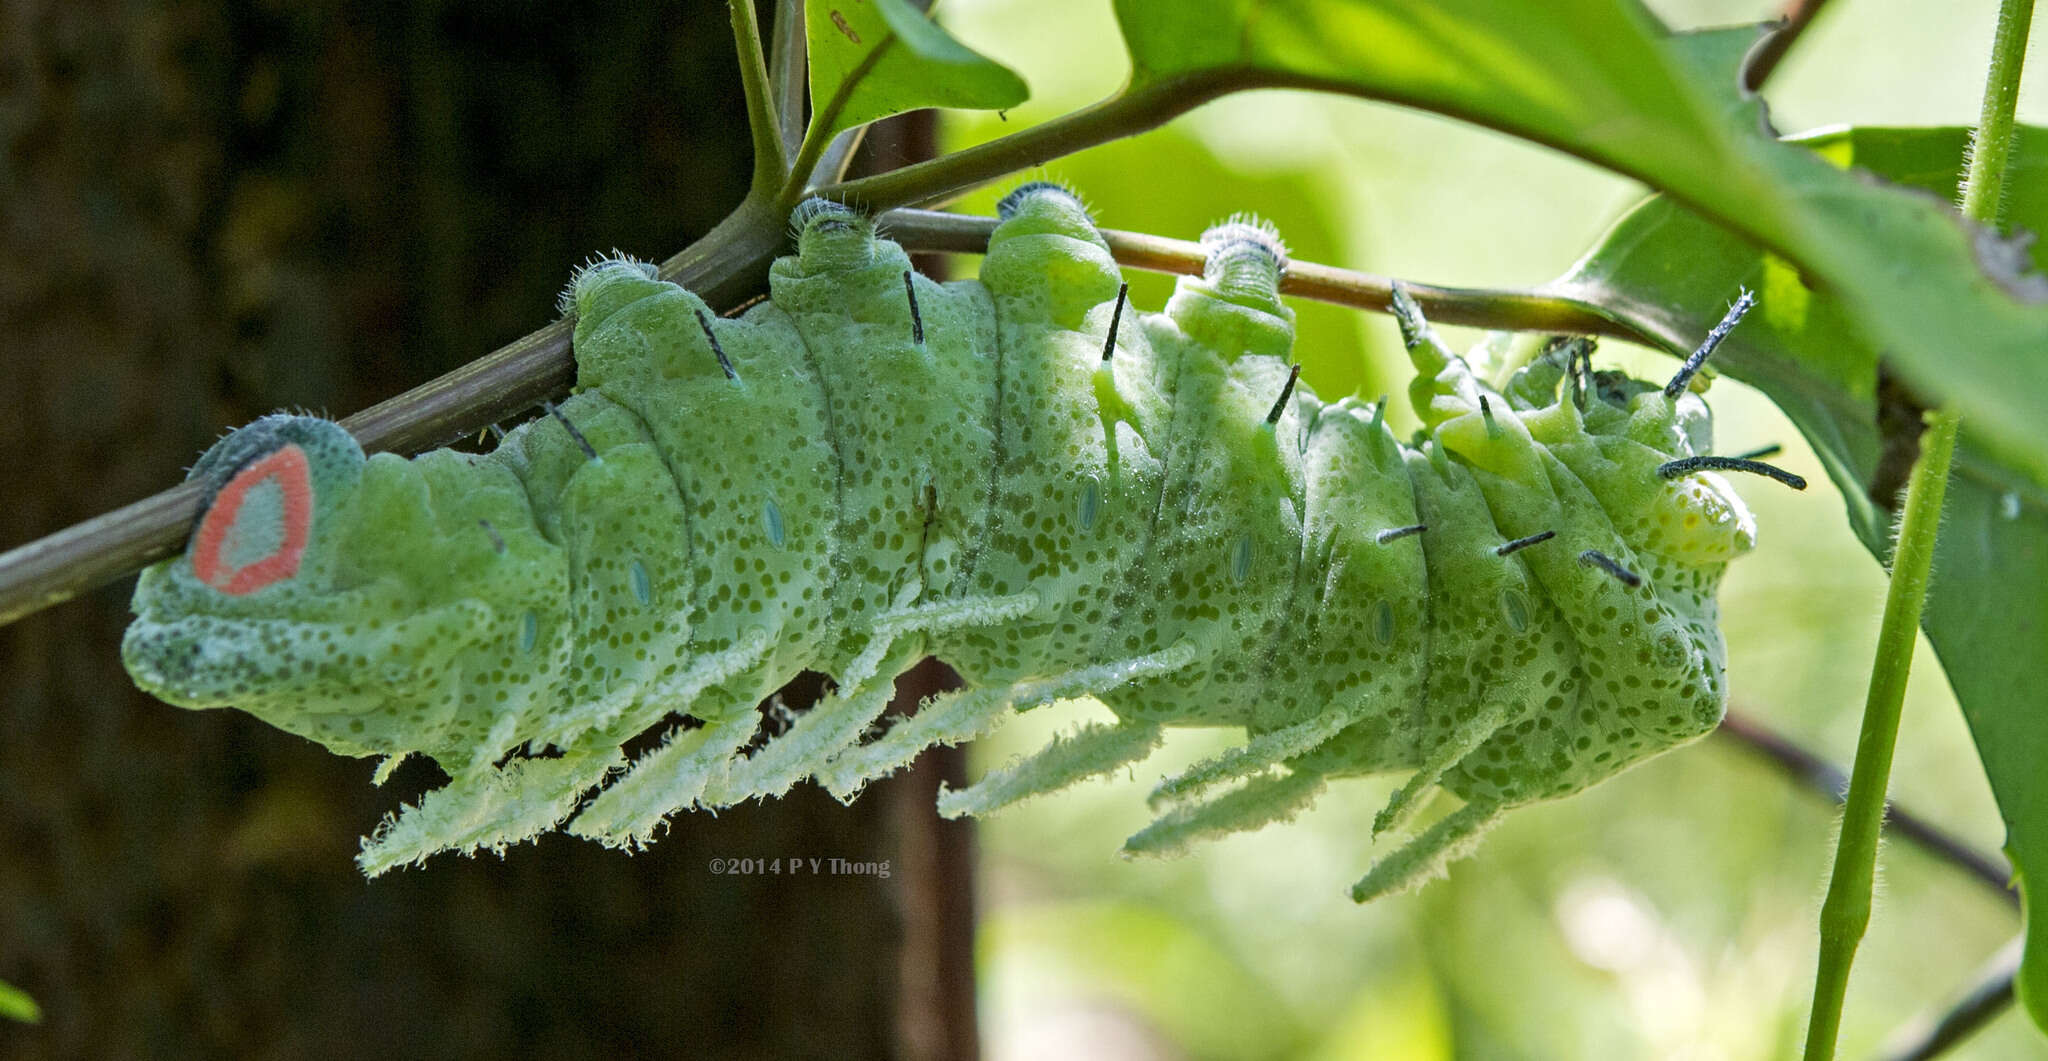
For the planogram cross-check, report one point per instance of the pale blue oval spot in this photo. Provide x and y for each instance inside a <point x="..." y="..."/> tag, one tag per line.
<point x="1383" y="623"/>
<point x="529" y="631"/>
<point x="1515" y="609"/>
<point x="258" y="530"/>
<point x="1091" y="504"/>
<point x="1241" y="559"/>
<point x="772" y="516"/>
<point x="643" y="587"/>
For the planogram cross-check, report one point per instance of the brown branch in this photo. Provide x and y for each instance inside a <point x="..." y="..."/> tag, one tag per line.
<point x="1931" y="1035"/>
<point x="1817" y="775"/>
<point x="1536" y="311"/>
<point x="1763" y="59"/>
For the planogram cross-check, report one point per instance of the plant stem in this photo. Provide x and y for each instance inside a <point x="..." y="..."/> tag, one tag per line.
<point x="821" y="133"/>
<point x="1991" y="143"/>
<point x="1533" y="310"/>
<point x="787" y="67"/>
<point x="1845" y="913"/>
<point x="770" y="163"/>
<point x="1127" y="114"/>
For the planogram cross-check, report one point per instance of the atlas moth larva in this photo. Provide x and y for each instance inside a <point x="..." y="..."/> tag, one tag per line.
<point x="1018" y="474"/>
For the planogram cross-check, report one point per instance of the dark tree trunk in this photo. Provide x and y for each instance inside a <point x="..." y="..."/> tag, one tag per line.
<point x="214" y="210"/>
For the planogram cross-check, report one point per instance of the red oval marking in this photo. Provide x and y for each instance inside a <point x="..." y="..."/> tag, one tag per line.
<point x="288" y="469"/>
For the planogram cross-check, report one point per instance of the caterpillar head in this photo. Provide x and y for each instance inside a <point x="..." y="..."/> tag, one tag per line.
<point x="268" y="608"/>
<point x="1644" y="449"/>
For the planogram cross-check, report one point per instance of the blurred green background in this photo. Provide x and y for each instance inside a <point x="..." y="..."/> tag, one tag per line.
<point x="1666" y="914"/>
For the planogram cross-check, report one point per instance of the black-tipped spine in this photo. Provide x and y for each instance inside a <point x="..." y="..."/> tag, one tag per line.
<point x="1688" y="465"/>
<point x="588" y="450"/>
<point x="1116" y="317"/>
<point x="916" y="318"/>
<point x="497" y="540"/>
<point x="1596" y="558"/>
<point x="1286" y="392"/>
<point x="1486" y="411"/>
<point x="1397" y="533"/>
<point x="1519" y="544"/>
<point x="1699" y="357"/>
<point x="1415" y="330"/>
<point x="724" y="362"/>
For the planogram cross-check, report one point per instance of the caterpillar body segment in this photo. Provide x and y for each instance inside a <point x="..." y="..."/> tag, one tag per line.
<point x="1020" y="474"/>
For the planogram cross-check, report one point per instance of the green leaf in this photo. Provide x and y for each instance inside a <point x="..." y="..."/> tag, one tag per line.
<point x="1987" y="615"/>
<point x="16" y="1005"/>
<point x="1602" y="79"/>
<point x="874" y="58"/>
<point x="1669" y="272"/>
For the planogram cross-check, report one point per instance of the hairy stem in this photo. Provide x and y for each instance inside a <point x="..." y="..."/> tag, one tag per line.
<point x="1845" y="913"/>
<point x="1991" y="143"/>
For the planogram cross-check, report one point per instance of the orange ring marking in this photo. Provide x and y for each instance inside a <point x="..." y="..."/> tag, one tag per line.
<point x="288" y="468"/>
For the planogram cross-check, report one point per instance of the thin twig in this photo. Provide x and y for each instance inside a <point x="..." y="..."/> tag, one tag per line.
<point x="1763" y="59"/>
<point x="1824" y="778"/>
<point x="1990" y="993"/>
<point x="1536" y="311"/>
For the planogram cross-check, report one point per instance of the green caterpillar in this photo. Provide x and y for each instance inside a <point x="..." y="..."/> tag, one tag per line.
<point x="1015" y="474"/>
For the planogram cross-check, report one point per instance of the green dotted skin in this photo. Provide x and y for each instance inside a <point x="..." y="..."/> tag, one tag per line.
<point x="856" y="473"/>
